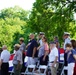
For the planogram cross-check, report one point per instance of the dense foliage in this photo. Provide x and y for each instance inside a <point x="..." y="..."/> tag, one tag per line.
<point x="13" y="25"/>
<point x="53" y="17"/>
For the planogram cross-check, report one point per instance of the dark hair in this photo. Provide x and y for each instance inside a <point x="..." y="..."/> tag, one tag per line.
<point x="56" y="37"/>
<point x="45" y="38"/>
<point x="22" y="40"/>
<point x="68" y="45"/>
<point x="16" y="48"/>
<point x="73" y="42"/>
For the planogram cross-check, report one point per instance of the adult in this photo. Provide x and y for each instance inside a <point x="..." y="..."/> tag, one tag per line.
<point x="4" y="65"/>
<point x="43" y="52"/>
<point x="53" y="58"/>
<point x="32" y="50"/>
<point x="67" y="39"/>
<point x="41" y="34"/>
<point x="41" y="44"/>
<point x="17" y="60"/>
<point x="22" y="49"/>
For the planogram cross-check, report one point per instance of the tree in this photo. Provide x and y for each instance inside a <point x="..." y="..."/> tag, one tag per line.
<point x="14" y="12"/>
<point x="13" y="25"/>
<point x="53" y="17"/>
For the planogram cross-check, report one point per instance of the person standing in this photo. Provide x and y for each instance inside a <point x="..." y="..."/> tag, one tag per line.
<point x="53" y="58"/>
<point x="71" y="57"/>
<point x="22" y="49"/>
<point x="43" y="52"/>
<point x="67" y="39"/>
<point x="41" y="45"/>
<point x="5" y="56"/>
<point x="41" y="34"/>
<point x="32" y="50"/>
<point x="17" y="60"/>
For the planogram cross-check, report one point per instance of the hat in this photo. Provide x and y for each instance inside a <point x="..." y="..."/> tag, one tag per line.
<point x="17" y="45"/>
<point x="42" y="33"/>
<point x="66" y="33"/>
<point x="52" y="42"/>
<point x="21" y="39"/>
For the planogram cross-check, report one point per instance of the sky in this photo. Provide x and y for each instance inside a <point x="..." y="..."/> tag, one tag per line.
<point x="25" y="4"/>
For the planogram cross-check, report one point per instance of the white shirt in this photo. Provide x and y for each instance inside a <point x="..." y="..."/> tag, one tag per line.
<point x="17" y="57"/>
<point x="40" y="42"/>
<point x="14" y="51"/>
<point x="5" y="56"/>
<point x="67" y="40"/>
<point x="53" y="54"/>
<point x="22" y="47"/>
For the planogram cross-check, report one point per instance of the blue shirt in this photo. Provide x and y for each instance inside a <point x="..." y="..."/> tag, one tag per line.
<point x="70" y="58"/>
<point x="33" y="44"/>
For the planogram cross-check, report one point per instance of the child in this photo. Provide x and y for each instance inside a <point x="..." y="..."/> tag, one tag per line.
<point x="71" y="56"/>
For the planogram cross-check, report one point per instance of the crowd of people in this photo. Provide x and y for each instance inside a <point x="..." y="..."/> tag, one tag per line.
<point x="40" y="52"/>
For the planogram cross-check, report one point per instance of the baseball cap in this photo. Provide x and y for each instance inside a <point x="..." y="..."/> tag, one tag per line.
<point x="42" y="33"/>
<point x="22" y="39"/>
<point x="17" y="45"/>
<point x="66" y="33"/>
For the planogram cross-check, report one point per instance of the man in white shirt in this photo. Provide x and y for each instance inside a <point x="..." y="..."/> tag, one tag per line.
<point x="67" y="40"/>
<point x="4" y="65"/>
<point x="41" y="34"/>
<point x="53" y="58"/>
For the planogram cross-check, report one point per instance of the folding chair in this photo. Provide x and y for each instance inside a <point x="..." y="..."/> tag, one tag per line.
<point x="27" y="71"/>
<point x="11" y="72"/>
<point x="42" y="70"/>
